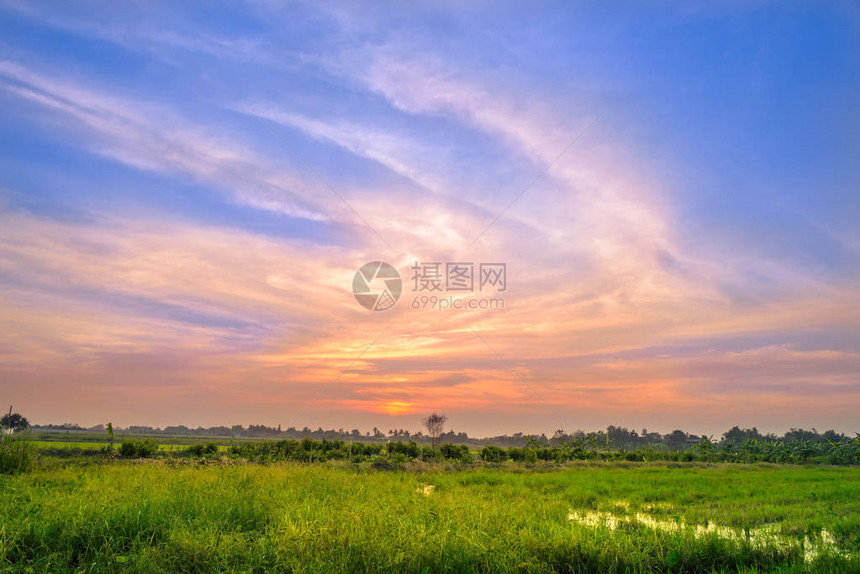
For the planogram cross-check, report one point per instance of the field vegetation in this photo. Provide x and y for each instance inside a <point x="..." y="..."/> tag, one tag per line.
<point x="839" y="451"/>
<point x="323" y="506"/>
<point x="228" y="514"/>
<point x="588" y="503"/>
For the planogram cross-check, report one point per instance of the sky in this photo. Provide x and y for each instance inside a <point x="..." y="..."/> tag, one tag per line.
<point x="187" y="192"/>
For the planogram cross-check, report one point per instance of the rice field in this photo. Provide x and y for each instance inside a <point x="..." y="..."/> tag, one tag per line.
<point x="220" y="515"/>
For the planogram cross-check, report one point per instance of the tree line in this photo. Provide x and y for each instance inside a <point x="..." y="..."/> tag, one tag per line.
<point x="613" y="437"/>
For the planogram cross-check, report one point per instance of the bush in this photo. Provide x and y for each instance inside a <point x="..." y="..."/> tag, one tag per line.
<point x="138" y="448"/>
<point x="456" y="452"/>
<point x="517" y="454"/>
<point x="365" y="449"/>
<point x="195" y="450"/>
<point x="430" y="454"/>
<point x="493" y="454"/>
<point x="147" y="448"/>
<point x="546" y="454"/>
<point x="202" y="450"/>
<point x="127" y="449"/>
<point x="15" y="456"/>
<point x="408" y="450"/>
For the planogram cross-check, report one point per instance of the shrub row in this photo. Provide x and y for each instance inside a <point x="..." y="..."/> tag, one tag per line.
<point x="309" y="451"/>
<point x="15" y="455"/>
<point x="846" y="452"/>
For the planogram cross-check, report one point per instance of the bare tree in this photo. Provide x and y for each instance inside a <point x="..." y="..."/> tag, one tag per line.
<point x="435" y="424"/>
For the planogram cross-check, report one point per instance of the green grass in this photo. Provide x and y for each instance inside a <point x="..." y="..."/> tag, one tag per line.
<point x="15" y="456"/>
<point x="74" y="447"/>
<point x="96" y="445"/>
<point x="164" y="516"/>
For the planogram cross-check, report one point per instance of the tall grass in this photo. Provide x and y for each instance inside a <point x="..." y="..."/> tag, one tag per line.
<point x="234" y="516"/>
<point x="16" y="456"/>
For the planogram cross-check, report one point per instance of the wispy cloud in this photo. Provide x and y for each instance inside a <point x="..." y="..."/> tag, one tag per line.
<point x="624" y="303"/>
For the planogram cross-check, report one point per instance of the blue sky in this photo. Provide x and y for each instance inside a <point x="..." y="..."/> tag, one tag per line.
<point x="694" y="251"/>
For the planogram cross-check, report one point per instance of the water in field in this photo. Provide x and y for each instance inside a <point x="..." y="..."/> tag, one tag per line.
<point x="762" y="537"/>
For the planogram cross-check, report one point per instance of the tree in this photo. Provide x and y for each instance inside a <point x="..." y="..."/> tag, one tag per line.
<point x="435" y="424"/>
<point x="14" y="421"/>
<point x="737" y="435"/>
<point x="676" y="439"/>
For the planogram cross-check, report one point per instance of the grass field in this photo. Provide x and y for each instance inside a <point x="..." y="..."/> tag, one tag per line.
<point x="220" y="515"/>
<point x="75" y="446"/>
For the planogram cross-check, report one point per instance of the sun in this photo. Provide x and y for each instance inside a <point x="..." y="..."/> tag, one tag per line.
<point x="397" y="407"/>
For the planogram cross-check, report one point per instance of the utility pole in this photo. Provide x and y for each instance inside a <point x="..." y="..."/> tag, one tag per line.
<point x="1" y="426"/>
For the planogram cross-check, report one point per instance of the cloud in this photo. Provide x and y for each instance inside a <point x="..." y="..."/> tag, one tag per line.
<point x="612" y="308"/>
<point x="143" y="33"/>
<point x="153" y="138"/>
